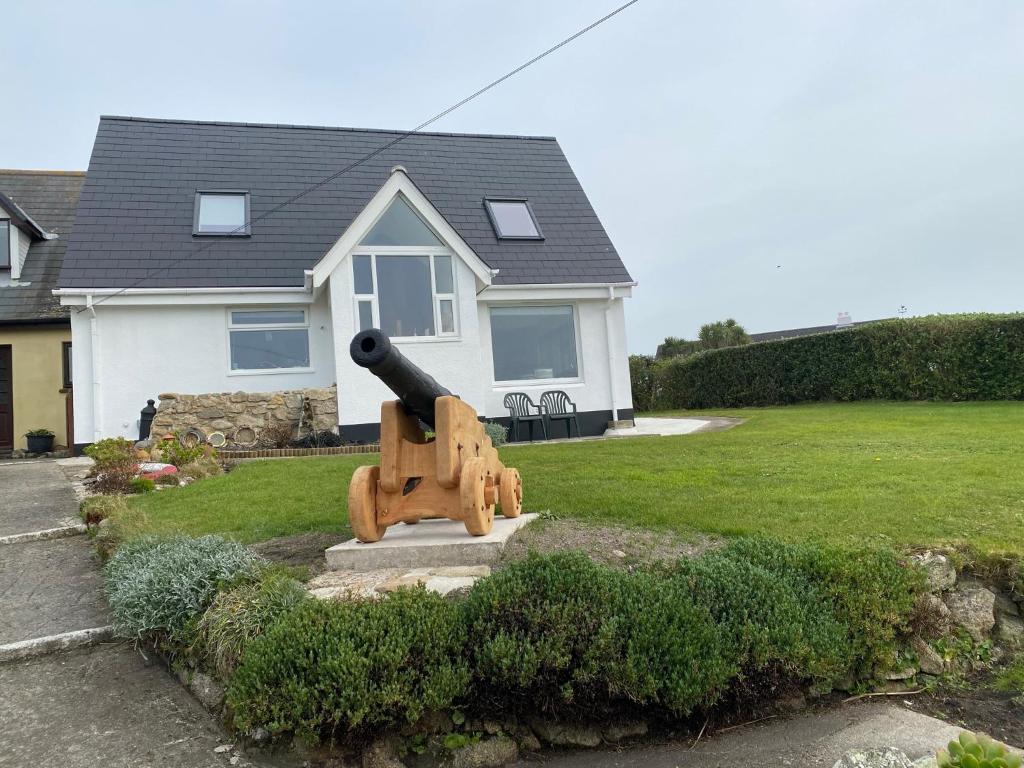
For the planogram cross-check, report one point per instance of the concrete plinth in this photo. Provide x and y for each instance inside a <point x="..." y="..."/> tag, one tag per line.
<point x="428" y="544"/>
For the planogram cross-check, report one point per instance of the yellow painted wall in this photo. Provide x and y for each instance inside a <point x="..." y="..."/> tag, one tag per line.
<point x="36" y="357"/>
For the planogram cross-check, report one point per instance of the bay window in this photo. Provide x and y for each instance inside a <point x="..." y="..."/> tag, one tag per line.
<point x="534" y="343"/>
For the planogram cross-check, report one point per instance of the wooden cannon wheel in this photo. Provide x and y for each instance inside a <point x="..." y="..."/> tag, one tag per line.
<point x="362" y="505"/>
<point x="510" y="493"/>
<point x="477" y="499"/>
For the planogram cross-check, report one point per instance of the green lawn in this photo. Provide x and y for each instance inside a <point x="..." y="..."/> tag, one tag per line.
<point x="904" y="473"/>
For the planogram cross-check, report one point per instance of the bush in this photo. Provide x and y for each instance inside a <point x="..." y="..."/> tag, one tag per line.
<point x="122" y="523"/>
<point x="173" y="452"/>
<point x="170" y="478"/>
<point x="157" y="586"/>
<point x="325" y="438"/>
<point x="201" y="468"/>
<point x="340" y="669"/>
<point x="116" y="464"/>
<point x="870" y="592"/>
<point x="943" y="357"/>
<point x="142" y="485"/>
<point x="642" y="376"/>
<point x="239" y="615"/>
<point x="497" y="433"/>
<point x="96" y="509"/>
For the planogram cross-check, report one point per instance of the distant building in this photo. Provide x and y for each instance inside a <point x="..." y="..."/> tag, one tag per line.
<point x="843" y="321"/>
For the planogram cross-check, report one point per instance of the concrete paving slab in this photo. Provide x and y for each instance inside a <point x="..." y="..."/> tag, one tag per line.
<point x="812" y="740"/>
<point x="49" y="587"/>
<point x="35" y="495"/>
<point x="427" y="544"/>
<point x="648" y="426"/>
<point x="105" y="707"/>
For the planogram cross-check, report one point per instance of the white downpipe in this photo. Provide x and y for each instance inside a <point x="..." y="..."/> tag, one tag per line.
<point x="611" y="350"/>
<point x="94" y="354"/>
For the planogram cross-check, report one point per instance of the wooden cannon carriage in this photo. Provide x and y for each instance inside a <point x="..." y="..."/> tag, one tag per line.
<point x="457" y="474"/>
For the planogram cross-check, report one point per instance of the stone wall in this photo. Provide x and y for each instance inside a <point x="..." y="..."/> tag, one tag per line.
<point x="226" y="412"/>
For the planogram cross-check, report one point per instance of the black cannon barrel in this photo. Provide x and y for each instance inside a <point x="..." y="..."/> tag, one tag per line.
<point x="417" y="390"/>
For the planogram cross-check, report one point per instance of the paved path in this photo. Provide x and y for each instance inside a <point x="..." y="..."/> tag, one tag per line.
<point x="812" y="740"/>
<point x="104" y="706"/>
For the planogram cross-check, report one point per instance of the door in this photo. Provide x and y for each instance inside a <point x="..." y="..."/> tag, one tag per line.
<point x="6" y="399"/>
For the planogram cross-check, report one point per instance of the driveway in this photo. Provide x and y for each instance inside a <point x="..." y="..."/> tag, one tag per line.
<point x="99" y="706"/>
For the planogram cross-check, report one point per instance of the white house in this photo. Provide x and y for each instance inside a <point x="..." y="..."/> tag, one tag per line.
<point x="201" y="261"/>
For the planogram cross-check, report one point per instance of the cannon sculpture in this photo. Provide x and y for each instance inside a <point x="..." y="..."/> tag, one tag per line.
<point x="456" y="475"/>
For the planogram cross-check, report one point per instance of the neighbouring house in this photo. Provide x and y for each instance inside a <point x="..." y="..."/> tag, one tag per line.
<point x="37" y="209"/>
<point x="843" y="322"/>
<point x="203" y="266"/>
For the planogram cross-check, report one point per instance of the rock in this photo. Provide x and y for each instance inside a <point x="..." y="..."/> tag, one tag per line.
<point x="259" y="735"/>
<point x="928" y="658"/>
<point x="381" y="754"/>
<point x="223" y="748"/>
<point x="795" y="702"/>
<point x="973" y="608"/>
<point x="1010" y="630"/>
<point x="938" y="570"/>
<point x="209" y="692"/>
<point x="567" y="734"/>
<point x="526" y="740"/>
<point x="926" y="762"/>
<point x="874" y="758"/>
<point x="900" y="674"/>
<point x="617" y="732"/>
<point x="1005" y="605"/>
<point x="488" y="753"/>
<point x="932" y="616"/>
<point x="618" y="553"/>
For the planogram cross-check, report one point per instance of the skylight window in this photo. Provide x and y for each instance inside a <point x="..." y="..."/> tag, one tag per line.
<point x="221" y="212"/>
<point x="512" y="219"/>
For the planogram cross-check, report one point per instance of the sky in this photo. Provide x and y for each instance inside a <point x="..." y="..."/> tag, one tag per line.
<point x="773" y="161"/>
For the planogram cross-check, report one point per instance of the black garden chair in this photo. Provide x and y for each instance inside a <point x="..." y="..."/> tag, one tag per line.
<point x="522" y="409"/>
<point x="557" y="406"/>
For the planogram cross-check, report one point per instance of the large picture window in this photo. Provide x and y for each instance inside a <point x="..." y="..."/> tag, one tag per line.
<point x="269" y="339"/>
<point x="534" y="343"/>
<point x="402" y="278"/>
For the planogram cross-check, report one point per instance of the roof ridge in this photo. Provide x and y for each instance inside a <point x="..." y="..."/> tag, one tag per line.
<point x="326" y="128"/>
<point x="41" y="172"/>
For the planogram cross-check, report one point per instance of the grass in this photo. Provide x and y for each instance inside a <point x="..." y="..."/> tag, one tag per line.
<point x="907" y="474"/>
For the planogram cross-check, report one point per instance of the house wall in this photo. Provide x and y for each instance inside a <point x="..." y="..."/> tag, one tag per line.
<point x="454" y="362"/>
<point x="37" y="362"/>
<point x="183" y="348"/>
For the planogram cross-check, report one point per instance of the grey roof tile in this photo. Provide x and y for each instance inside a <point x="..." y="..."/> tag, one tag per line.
<point x="49" y="197"/>
<point x="137" y="202"/>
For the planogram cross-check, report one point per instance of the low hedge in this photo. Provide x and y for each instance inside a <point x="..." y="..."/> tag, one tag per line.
<point x="557" y="634"/>
<point x="942" y="357"/>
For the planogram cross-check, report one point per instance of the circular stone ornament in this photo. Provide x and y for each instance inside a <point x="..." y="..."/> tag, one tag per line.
<point x="245" y="437"/>
<point x="216" y="439"/>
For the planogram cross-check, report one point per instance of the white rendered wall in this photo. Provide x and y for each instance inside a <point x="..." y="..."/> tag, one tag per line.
<point x="146" y="350"/>
<point x="454" y="362"/>
<point x="593" y="391"/>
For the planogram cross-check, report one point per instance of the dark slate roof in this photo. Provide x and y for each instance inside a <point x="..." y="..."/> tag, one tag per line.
<point x="134" y="224"/>
<point x="48" y="198"/>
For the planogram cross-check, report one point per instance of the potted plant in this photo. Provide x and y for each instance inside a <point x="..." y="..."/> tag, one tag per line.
<point x="39" y="440"/>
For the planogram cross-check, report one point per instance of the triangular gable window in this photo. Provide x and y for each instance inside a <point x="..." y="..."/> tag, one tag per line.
<point x="401" y="226"/>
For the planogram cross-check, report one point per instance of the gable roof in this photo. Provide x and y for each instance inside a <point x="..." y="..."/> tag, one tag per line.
<point x="43" y="200"/>
<point x="134" y="223"/>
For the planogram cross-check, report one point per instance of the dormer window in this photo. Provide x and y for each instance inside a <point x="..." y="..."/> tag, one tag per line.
<point x="221" y="212"/>
<point x="5" y="244"/>
<point x="512" y="219"/>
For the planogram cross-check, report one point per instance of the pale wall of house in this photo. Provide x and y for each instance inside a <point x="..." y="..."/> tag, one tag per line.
<point x="37" y="362"/>
<point x="146" y="350"/>
<point x="455" y="362"/>
<point x="594" y="390"/>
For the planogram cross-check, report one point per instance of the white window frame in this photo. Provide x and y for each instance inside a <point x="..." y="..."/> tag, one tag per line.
<point x="231" y="326"/>
<point x="400" y="250"/>
<point x="569" y="381"/>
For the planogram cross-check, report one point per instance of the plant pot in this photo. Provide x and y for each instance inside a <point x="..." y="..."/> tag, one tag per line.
<point x="40" y="443"/>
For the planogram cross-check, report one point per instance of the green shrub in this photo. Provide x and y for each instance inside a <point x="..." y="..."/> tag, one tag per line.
<point x="341" y="669"/>
<point x="871" y="592"/>
<point x="116" y="464"/>
<point x="497" y="433"/>
<point x="158" y="586"/>
<point x="642" y="378"/>
<point x="122" y="523"/>
<point x="943" y="357"/>
<point x="972" y="750"/>
<point x="142" y="485"/>
<point x="96" y="509"/>
<point x="239" y="615"/>
<point x="170" y="478"/>
<point x="173" y="452"/>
